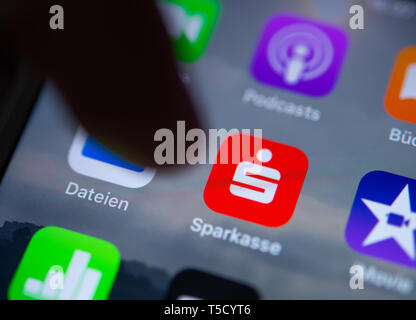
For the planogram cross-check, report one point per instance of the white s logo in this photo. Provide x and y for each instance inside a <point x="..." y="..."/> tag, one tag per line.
<point x="242" y="175"/>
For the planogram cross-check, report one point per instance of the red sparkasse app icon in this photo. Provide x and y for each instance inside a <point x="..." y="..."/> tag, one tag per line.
<point x="262" y="186"/>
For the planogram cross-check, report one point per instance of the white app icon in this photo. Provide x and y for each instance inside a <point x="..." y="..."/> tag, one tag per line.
<point x="409" y="84"/>
<point x="242" y="175"/>
<point x="88" y="158"/>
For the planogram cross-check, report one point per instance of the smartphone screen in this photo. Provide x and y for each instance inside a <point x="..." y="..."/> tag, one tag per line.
<point x="335" y="103"/>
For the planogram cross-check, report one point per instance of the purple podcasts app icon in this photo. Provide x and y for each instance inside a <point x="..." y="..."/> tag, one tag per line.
<point x="299" y="54"/>
<point x="382" y="222"/>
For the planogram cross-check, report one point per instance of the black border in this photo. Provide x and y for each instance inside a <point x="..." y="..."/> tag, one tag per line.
<point x="16" y="109"/>
<point x="208" y="286"/>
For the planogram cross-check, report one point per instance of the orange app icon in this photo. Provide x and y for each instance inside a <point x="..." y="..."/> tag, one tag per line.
<point x="400" y="97"/>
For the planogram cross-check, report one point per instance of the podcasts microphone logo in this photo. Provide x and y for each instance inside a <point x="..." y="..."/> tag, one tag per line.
<point x="300" y="55"/>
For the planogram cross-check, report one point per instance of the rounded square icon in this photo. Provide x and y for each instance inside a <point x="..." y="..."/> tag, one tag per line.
<point x="263" y="188"/>
<point x="87" y="157"/>
<point x="382" y="221"/>
<point x="190" y="25"/>
<point x="60" y="264"/>
<point x="400" y="99"/>
<point x="300" y="55"/>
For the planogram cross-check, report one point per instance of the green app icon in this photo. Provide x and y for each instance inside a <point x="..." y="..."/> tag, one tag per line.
<point x="60" y="264"/>
<point x="190" y="24"/>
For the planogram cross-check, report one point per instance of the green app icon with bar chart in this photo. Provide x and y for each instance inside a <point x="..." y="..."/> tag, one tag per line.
<point x="60" y="264"/>
<point x="190" y="24"/>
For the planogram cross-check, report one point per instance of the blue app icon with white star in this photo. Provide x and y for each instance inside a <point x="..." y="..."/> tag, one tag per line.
<point x="382" y="221"/>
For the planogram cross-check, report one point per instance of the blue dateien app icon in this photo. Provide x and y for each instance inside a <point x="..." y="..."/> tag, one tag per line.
<point x="382" y="221"/>
<point x="88" y="157"/>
